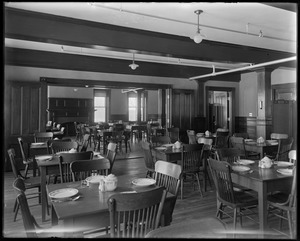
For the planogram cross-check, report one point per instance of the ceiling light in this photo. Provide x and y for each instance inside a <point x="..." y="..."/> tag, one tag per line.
<point x="133" y="66"/>
<point x="198" y="37"/>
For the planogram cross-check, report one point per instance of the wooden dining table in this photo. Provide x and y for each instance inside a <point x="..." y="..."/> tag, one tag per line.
<point x="90" y="211"/>
<point x="168" y="154"/>
<point x="44" y="165"/>
<point x="263" y="149"/>
<point x="263" y="181"/>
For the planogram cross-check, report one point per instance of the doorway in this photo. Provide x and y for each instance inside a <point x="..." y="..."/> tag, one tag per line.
<point x="219" y="108"/>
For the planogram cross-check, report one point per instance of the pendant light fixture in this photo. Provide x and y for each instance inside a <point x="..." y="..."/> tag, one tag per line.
<point x="198" y="37"/>
<point x="133" y="66"/>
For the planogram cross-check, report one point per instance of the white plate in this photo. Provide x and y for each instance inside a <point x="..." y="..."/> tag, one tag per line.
<point x="38" y="143"/>
<point x="245" y="162"/>
<point x="143" y="182"/>
<point x="63" y="193"/>
<point x="285" y="171"/>
<point x="94" y="179"/>
<point x="284" y="164"/>
<point x="167" y="145"/>
<point x="240" y="168"/>
<point x="248" y="140"/>
<point x="161" y="148"/>
<point x="43" y="158"/>
<point x="96" y="153"/>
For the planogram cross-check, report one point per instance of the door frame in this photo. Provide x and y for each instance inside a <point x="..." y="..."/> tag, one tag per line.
<point x="231" y="105"/>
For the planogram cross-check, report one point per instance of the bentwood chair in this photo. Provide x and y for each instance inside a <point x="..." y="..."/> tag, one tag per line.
<point x="81" y="169"/>
<point x="65" y="160"/>
<point x="284" y="146"/>
<point x="43" y="136"/>
<point x="240" y="202"/>
<point x="133" y="215"/>
<point x="245" y="135"/>
<point x="190" y="163"/>
<point x="29" y="183"/>
<point x="168" y="175"/>
<point x="148" y="158"/>
<point x="283" y="206"/>
<point x="32" y="229"/>
<point x="26" y="161"/>
<point x="173" y="133"/>
<point x="205" y="154"/>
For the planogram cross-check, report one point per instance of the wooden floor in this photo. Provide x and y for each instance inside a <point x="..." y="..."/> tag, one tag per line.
<point x="193" y="206"/>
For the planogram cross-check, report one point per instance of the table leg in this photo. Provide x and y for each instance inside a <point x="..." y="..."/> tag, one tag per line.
<point x="262" y="206"/>
<point x="43" y="192"/>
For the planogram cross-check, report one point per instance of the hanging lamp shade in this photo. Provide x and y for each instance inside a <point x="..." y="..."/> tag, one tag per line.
<point x="133" y="66"/>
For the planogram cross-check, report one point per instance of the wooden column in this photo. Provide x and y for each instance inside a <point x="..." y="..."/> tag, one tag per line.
<point x="264" y="108"/>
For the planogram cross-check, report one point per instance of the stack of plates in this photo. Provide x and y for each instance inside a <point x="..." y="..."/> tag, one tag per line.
<point x="38" y="143"/>
<point x="161" y="148"/>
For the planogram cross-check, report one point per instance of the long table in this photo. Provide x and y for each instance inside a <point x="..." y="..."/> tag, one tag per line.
<point x="43" y="166"/>
<point x="263" y="181"/>
<point x="90" y="211"/>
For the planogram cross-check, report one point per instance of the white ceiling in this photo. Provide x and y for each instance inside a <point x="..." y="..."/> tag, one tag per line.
<point x="237" y="23"/>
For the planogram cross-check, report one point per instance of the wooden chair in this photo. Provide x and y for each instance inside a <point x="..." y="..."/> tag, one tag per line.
<point x="111" y="154"/>
<point x="26" y="161"/>
<point x="173" y="133"/>
<point x="239" y="143"/>
<point x="205" y="154"/>
<point x="133" y="215"/>
<point x="160" y="140"/>
<point x="283" y="205"/>
<point x="32" y="229"/>
<point x="118" y="138"/>
<point x="191" y="136"/>
<point x="43" y="136"/>
<point x="284" y="146"/>
<point x="126" y="135"/>
<point x="85" y="142"/>
<point x="190" y="163"/>
<point x="59" y="146"/>
<point x="81" y="169"/>
<point x="65" y="160"/>
<point x="226" y="196"/>
<point x="29" y="183"/>
<point x="168" y="175"/>
<point x="148" y="158"/>
<point x="222" y="136"/>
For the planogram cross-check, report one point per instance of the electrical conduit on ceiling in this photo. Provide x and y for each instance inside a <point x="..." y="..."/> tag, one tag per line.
<point x="244" y="68"/>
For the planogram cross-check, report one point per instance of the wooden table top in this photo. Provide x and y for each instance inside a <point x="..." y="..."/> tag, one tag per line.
<point x="91" y="200"/>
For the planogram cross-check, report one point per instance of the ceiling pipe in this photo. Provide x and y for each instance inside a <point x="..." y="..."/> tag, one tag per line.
<point x="244" y="68"/>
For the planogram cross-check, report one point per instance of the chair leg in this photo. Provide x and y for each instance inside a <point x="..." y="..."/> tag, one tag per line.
<point x="15" y="206"/>
<point x="234" y="218"/>
<point x="16" y="212"/>
<point x="289" y="216"/>
<point x="197" y="177"/>
<point x="26" y="170"/>
<point x="181" y="188"/>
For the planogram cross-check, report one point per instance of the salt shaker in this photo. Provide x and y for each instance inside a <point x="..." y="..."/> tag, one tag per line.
<point x="101" y="185"/>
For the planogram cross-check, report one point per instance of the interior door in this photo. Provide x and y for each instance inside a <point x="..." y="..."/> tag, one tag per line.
<point x="25" y="112"/>
<point x="183" y="110"/>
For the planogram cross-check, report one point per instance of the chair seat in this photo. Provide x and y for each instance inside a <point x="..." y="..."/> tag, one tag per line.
<point x="245" y="199"/>
<point x="32" y="182"/>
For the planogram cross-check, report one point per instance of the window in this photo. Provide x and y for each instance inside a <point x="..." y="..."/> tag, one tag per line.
<point x="100" y="106"/>
<point x="132" y="108"/>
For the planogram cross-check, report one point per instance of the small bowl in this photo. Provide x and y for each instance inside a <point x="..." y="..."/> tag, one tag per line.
<point x="110" y="185"/>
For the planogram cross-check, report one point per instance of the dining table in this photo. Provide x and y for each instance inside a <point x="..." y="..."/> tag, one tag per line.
<point x="263" y="181"/>
<point x="167" y="153"/>
<point x="44" y="163"/>
<point x="90" y="210"/>
<point x="265" y="148"/>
